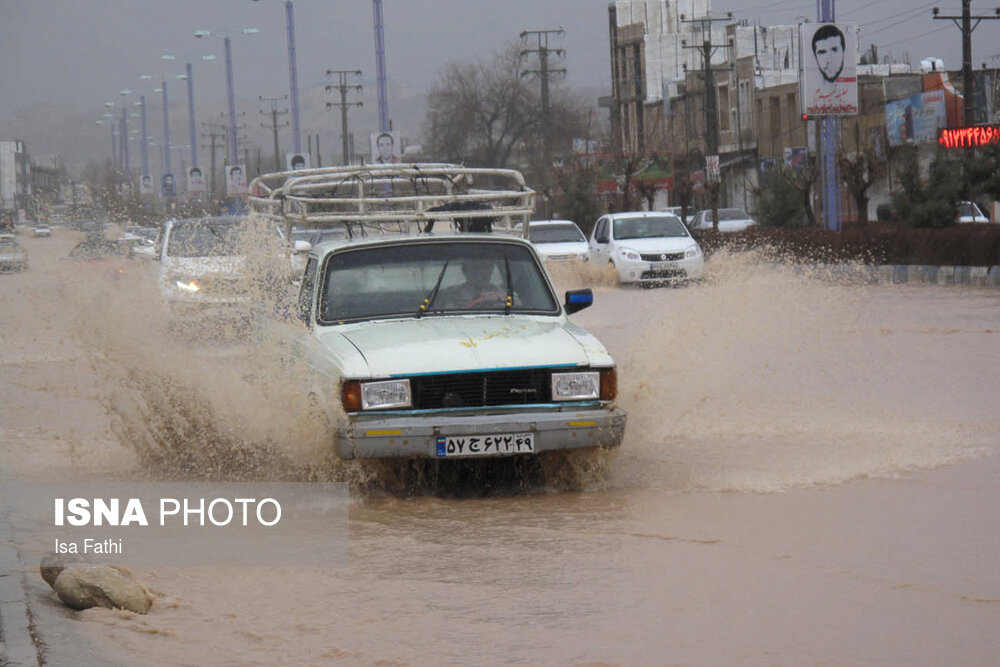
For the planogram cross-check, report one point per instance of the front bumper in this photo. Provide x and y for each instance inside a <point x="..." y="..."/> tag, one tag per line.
<point x="637" y="271"/>
<point x="415" y="435"/>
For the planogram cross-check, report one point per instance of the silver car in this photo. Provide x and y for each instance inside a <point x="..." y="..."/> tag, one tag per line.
<point x="730" y="220"/>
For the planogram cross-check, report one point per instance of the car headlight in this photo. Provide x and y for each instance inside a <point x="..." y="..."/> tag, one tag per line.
<point x="189" y="286"/>
<point x="378" y="395"/>
<point x="693" y="251"/>
<point x="628" y="253"/>
<point x="576" y="386"/>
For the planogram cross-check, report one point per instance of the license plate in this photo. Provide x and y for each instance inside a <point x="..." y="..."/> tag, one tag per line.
<point x="485" y="445"/>
<point x="658" y="266"/>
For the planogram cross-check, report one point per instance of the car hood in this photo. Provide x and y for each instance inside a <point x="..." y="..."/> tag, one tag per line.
<point x="442" y="344"/>
<point x="671" y="244"/>
<point x="567" y="248"/>
<point x="204" y="266"/>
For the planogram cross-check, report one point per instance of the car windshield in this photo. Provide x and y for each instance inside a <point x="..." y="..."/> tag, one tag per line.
<point x="647" y="227"/>
<point x="95" y="249"/>
<point x="205" y="239"/>
<point x="965" y="209"/>
<point x="443" y="277"/>
<point x="564" y="233"/>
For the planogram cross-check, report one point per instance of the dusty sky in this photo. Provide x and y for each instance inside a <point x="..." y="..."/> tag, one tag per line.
<point x="73" y="55"/>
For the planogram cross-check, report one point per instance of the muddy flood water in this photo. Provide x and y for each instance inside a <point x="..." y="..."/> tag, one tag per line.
<point x="809" y="477"/>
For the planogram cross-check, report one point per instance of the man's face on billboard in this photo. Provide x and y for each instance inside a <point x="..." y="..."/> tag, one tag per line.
<point x="829" y="54"/>
<point x="385" y="146"/>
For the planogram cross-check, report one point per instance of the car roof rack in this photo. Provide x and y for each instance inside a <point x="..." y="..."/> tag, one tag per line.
<point x="407" y="198"/>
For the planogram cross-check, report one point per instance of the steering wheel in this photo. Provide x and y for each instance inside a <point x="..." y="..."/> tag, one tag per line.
<point x="484" y="297"/>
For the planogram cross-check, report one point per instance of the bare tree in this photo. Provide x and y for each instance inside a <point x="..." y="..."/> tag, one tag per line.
<point x="860" y="170"/>
<point x="487" y="114"/>
<point x="480" y="113"/>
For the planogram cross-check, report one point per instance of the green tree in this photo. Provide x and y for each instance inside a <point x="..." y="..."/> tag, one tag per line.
<point x="780" y="201"/>
<point x="577" y="197"/>
<point x="930" y="203"/>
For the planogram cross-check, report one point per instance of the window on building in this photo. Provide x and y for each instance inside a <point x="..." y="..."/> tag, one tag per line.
<point x="724" y="107"/>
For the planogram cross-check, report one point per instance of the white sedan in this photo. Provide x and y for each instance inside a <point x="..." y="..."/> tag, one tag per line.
<point x="558" y="240"/>
<point x="730" y="220"/>
<point x="647" y="247"/>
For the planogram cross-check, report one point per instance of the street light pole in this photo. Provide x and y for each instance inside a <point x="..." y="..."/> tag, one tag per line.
<point x="231" y="99"/>
<point x="166" y="128"/>
<point x="380" y="75"/>
<point x="829" y="143"/>
<point x="191" y="124"/>
<point x="293" y="75"/>
<point x="144" y="152"/>
<point x="233" y="154"/>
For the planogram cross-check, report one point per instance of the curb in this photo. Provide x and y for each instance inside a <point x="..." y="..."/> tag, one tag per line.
<point x="17" y="646"/>
<point x="979" y="276"/>
<point x="898" y="274"/>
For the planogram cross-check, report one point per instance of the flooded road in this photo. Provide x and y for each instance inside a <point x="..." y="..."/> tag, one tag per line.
<point x="808" y="478"/>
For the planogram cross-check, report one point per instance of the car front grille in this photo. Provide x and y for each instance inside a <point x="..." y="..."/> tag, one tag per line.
<point x="474" y="390"/>
<point x="661" y="256"/>
<point x="666" y="274"/>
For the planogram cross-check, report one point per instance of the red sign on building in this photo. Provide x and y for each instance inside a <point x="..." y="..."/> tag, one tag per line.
<point x="969" y="137"/>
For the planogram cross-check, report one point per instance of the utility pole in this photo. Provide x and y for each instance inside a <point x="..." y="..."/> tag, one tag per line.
<point x="214" y="134"/>
<point x="343" y="87"/>
<point x="707" y="49"/>
<point x="274" y="113"/>
<point x="543" y="51"/>
<point x="967" y="26"/>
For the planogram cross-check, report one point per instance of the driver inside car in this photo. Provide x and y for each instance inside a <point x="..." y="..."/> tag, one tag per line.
<point x="482" y="287"/>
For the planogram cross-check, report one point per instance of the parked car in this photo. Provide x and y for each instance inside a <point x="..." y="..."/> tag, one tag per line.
<point x="441" y="345"/>
<point x="41" y="231"/>
<point x="969" y="211"/>
<point x="12" y="255"/>
<point x="730" y="220"/>
<point x="557" y="240"/>
<point x="647" y="247"/>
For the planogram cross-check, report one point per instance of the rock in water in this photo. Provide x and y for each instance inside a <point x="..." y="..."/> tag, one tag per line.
<point x="82" y="587"/>
<point x="53" y="564"/>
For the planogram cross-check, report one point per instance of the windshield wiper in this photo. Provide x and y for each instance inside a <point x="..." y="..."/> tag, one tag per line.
<point x="430" y="297"/>
<point x="510" y="287"/>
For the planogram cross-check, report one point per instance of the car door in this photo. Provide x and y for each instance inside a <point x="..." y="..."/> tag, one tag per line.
<point x="599" y="251"/>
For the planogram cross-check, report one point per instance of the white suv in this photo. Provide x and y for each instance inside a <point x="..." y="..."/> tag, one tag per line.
<point x="647" y="247"/>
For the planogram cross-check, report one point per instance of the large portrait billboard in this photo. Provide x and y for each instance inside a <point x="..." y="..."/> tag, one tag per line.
<point x="829" y="70"/>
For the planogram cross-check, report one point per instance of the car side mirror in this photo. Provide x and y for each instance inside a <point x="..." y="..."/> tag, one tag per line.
<point x="301" y="246"/>
<point x="578" y="299"/>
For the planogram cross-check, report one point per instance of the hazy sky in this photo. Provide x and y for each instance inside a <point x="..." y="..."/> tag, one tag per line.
<point x="74" y="55"/>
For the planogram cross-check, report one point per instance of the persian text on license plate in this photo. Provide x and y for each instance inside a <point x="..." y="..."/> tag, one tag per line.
<point x="485" y="445"/>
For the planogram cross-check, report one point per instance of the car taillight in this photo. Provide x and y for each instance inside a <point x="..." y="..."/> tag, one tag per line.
<point x="350" y="395"/>
<point x="609" y="384"/>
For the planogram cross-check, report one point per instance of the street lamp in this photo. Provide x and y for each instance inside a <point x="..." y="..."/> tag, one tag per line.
<point x="192" y="125"/>
<point x="293" y="74"/>
<point x="231" y="98"/>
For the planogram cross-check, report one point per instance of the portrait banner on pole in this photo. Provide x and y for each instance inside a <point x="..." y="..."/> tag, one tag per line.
<point x="829" y="69"/>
